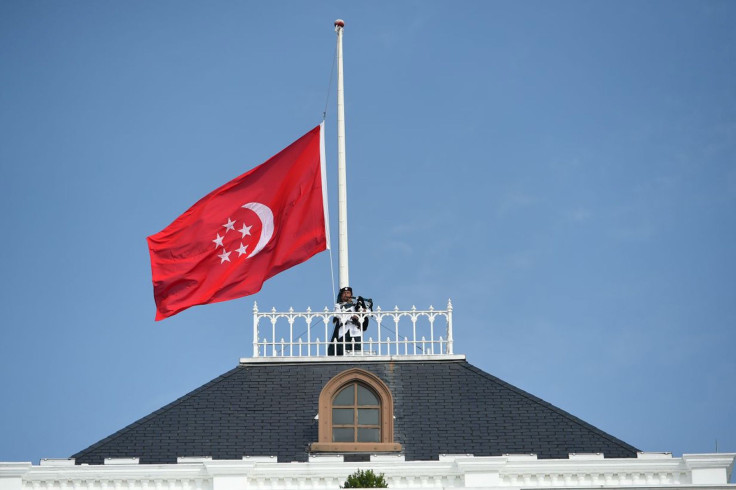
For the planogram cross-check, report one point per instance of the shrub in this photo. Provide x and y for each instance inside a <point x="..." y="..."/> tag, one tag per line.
<point x="365" y="479"/>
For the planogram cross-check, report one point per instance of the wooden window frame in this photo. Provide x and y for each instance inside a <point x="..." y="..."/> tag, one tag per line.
<point x="385" y="399"/>
<point x="355" y="407"/>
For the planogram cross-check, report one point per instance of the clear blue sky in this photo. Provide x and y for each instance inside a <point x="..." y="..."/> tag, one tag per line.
<point x="564" y="171"/>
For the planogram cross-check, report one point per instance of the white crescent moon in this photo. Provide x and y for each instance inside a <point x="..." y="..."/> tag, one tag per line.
<point x="266" y="216"/>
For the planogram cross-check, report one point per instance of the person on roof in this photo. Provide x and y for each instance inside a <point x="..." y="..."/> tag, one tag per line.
<point x="350" y="325"/>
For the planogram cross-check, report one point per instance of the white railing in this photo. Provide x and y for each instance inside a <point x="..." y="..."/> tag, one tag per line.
<point x="392" y="332"/>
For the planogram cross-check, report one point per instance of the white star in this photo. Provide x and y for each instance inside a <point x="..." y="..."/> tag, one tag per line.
<point x="225" y="255"/>
<point x="218" y="241"/>
<point x="229" y="225"/>
<point x="245" y="230"/>
<point x="241" y="250"/>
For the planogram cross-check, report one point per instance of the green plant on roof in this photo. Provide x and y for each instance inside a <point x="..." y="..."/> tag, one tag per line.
<point x="365" y="479"/>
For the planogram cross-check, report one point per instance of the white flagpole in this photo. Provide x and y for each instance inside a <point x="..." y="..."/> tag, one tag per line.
<point x="342" y="199"/>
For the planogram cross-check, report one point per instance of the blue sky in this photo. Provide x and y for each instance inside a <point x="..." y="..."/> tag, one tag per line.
<point x="564" y="171"/>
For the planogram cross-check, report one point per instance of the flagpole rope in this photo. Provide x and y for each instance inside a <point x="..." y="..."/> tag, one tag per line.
<point x="332" y="276"/>
<point x="329" y="86"/>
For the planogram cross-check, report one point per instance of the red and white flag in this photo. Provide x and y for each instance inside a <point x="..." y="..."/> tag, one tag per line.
<point x="225" y="246"/>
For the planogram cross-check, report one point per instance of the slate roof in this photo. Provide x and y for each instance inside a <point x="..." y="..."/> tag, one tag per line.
<point x="440" y="407"/>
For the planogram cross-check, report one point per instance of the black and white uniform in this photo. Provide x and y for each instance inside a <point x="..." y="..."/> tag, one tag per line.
<point x="348" y="330"/>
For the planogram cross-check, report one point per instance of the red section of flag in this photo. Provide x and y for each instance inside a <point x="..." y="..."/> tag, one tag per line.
<point x="237" y="236"/>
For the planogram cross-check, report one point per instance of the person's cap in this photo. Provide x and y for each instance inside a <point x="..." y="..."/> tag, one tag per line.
<point x="346" y="288"/>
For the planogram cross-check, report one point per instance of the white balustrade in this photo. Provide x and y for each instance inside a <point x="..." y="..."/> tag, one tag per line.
<point x="390" y="333"/>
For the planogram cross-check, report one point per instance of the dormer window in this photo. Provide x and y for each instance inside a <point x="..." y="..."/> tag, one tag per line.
<point x="355" y="414"/>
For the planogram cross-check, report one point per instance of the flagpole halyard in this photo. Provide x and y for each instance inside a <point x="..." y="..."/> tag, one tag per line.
<point x="325" y="200"/>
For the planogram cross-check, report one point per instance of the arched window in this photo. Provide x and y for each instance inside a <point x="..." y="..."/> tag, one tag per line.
<point x="355" y="414"/>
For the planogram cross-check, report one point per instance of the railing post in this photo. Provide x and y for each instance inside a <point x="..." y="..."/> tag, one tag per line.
<point x="431" y="328"/>
<point x="379" y="318"/>
<point x="325" y="318"/>
<point x="291" y="331"/>
<point x="396" y="325"/>
<point x="414" y="327"/>
<point x="255" y="329"/>
<point x="449" y="326"/>
<point x="309" y="331"/>
<point x="273" y="331"/>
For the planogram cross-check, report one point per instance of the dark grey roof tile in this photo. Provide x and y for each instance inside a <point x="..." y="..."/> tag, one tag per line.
<point x="269" y="409"/>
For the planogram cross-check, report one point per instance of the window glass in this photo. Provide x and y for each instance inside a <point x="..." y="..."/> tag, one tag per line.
<point x="343" y="416"/>
<point x="356" y="414"/>
<point x="346" y="397"/>
<point x="366" y="416"/>
<point x="343" y="435"/>
<point x="368" y="435"/>
<point x="366" y="396"/>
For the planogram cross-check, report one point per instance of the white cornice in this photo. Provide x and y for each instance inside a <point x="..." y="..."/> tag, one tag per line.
<point x="508" y="472"/>
<point x="717" y="460"/>
<point x="351" y="359"/>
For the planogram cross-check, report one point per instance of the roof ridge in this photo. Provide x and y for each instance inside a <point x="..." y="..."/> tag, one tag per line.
<point x="580" y="422"/>
<point x="147" y="418"/>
